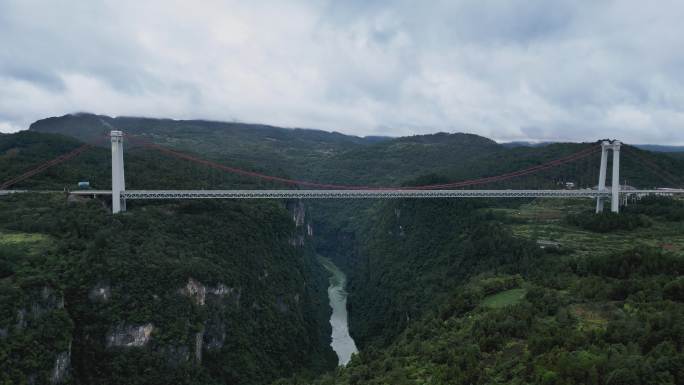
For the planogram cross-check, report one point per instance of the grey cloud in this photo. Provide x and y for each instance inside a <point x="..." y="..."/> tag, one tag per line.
<point x="531" y="69"/>
<point x="34" y="75"/>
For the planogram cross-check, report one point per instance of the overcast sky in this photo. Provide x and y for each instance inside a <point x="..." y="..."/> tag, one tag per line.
<point x="509" y="70"/>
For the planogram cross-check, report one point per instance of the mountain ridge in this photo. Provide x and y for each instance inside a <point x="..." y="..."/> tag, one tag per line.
<point x="337" y="158"/>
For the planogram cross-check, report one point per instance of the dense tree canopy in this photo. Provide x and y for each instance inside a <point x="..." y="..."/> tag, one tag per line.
<point x="441" y="292"/>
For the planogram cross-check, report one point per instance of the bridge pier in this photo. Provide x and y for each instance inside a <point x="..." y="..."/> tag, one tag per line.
<point x="615" y="178"/>
<point x="118" y="182"/>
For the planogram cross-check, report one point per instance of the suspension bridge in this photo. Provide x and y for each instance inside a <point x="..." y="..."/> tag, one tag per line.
<point x="313" y="190"/>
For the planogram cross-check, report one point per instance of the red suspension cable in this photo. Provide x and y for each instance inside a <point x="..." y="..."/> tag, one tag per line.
<point x="53" y="162"/>
<point x="497" y="178"/>
<point x="238" y="171"/>
<point x="558" y="162"/>
<point x="567" y="159"/>
<point x="44" y="166"/>
<point x="667" y="176"/>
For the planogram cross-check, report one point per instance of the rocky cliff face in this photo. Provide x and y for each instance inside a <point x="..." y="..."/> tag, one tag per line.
<point x="213" y="332"/>
<point x="199" y="294"/>
<point x="42" y="301"/>
<point x="101" y="292"/>
<point x="298" y="213"/>
<point x="35" y="311"/>
<point x="61" y="368"/>
<point x="130" y="335"/>
<point x="199" y="345"/>
<point x="303" y="228"/>
<point x="195" y="291"/>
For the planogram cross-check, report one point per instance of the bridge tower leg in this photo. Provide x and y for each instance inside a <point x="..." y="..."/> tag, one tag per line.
<point x="602" y="175"/>
<point x="615" y="180"/>
<point x="118" y="182"/>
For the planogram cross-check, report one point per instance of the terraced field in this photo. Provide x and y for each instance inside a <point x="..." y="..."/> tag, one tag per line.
<point x="544" y="221"/>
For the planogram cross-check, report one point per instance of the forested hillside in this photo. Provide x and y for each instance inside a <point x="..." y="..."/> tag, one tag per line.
<point x="175" y="292"/>
<point x="446" y="293"/>
<point x="441" y="291"/>
<point x="144" y="168"/>
<point x="341" y="159"/>
<point x="271" y="148"/>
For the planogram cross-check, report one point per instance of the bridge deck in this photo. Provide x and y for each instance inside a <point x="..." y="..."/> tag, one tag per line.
<point x="354" y="194"/>
<point x="341" y="194"/>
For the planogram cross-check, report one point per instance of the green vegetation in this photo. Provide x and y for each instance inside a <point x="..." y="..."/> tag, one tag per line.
<point x="237" y="144"/>
<point x="25" y="150"/>
<point x="413" y="252"/>
<point x="505" y="298"/>
<point x="441" y="292"/>
<point x="601" y="308"/>
<point x="608" y="221"/>
<point x="541" y="221"/>
<point x="663" y="208"/>
<point x="71" y="275"/>
<point x="143" y="260"/>
<point x="15" y="247"/>
<point x="336" y="276"/>
<point x="336" y="158"/>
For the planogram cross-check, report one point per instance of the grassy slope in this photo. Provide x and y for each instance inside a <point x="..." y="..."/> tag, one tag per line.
<point x="504" y="298"/>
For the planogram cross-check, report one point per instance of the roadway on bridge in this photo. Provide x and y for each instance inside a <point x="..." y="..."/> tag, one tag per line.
<point x="351" y="194"/>
<point x="370" y="194"/>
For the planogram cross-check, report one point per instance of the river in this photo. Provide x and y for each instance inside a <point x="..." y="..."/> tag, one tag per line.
<point x="342" y="343"/>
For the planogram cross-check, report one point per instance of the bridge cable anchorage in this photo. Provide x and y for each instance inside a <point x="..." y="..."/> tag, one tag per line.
<point x="567" y="159"/>
<point x="656" y="169"/>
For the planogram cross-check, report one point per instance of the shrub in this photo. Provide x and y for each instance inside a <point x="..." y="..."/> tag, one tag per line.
<point x="675" y="290"/>
<point x="606" y="222"/>
<point x="640" y="261"/>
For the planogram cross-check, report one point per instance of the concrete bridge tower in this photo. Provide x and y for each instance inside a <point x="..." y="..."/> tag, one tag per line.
<point x="615" y="179"/>
<point x="118" y="182"/>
